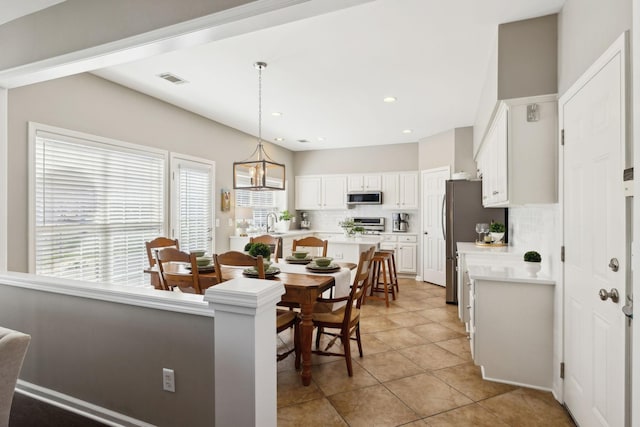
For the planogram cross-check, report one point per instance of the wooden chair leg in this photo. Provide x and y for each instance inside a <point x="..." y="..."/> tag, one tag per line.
<point x="318" y="333"/>
<point x="297" y="344"/>
<point x="358" y="339"/>
<point x="346" y="344"/>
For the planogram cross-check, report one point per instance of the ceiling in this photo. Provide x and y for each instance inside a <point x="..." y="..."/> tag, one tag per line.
<point x="14" y="9"/>
<point x="328" y="74"/>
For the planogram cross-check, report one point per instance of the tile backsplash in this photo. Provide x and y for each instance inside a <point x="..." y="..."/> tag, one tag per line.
<point x="328" y="220"/>
<point x="537" y="228"/>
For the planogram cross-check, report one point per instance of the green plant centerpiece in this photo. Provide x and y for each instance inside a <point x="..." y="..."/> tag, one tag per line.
<point x="496" y="228"/>
<point x="532" y="256"/>
<point x="348" y="225"/>
<point x="263" y="249"/>
<point x="532" y="260"/>
<point x="285" y="215"/>
<point x="358" y="229"/>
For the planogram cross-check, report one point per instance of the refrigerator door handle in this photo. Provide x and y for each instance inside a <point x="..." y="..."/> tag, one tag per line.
<point x="442" y="216"/>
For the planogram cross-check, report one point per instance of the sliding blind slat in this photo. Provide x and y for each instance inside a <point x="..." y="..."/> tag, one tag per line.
<point x="95" y="206"/>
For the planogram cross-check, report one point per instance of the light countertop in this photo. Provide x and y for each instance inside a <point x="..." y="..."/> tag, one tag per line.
<point x="472" y="248"/>
<point x="368" y="240"/>
<point x="507" y="273"/>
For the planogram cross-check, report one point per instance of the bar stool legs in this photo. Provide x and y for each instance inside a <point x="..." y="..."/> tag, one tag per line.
<point x="383" y="277"/>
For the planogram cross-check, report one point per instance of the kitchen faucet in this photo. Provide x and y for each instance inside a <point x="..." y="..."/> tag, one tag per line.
<point x="271" y="224"/>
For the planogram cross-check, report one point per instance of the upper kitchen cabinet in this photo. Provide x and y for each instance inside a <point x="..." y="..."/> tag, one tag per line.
<point x="518" y="156"/>
<point x="366" y="182"/>
<point x="400" y="190"/>
<point x="321" y="192"/>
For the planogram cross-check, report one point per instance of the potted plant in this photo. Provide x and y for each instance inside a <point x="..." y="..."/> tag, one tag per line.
<point x="358" y="230"/>
<point x="348" y="226"/>
<point x="532" y="260"/>
<point x="285" y="221"/>
<point x="497" y="231"/>
<point x="261" y="249"/>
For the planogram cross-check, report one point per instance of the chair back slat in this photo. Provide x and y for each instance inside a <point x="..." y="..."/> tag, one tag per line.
<point x="159" y="242"/>
<point x="185" y="282"/>
<point x="237" y="259"/>
<point x="311" y="242"/>
<point x="273" y="242"/>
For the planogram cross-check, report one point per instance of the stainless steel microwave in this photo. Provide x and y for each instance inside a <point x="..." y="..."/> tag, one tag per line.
<point x="364" y="198"/>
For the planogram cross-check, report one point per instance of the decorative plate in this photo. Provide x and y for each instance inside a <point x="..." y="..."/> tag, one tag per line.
<point x="294" y="260"/>
<point x="331" y="268"/>
<point x="204" y="268"/>
<point x="252" y="272"/>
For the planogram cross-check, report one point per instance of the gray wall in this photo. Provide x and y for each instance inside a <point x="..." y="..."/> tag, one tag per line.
<point x="453" y="148"/>
<point x="90" y="104"/>
<point x="586" y="28"/>
<point x="80" y="24"/>
<point x="380" y="158"/>
<point x="112" y="354"/>
<point x="463" y="155"/>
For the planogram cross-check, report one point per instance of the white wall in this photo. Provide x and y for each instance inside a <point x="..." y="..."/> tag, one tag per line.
<point x="437" y="150"/>
<point x="96" y="106"/>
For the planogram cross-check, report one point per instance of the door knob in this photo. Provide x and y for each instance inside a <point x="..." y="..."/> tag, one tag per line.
<point x="614" y="265"/>
<point x="612" y="294"/>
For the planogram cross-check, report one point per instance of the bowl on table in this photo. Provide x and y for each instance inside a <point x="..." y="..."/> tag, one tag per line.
<point x="300" y="254"/>
<point x="323" y="261"/>
<point x="203" y="261"/>
<point x="198" y="253"/>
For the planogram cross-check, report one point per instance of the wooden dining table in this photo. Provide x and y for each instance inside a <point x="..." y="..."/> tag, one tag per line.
<point x="301" y="289"/>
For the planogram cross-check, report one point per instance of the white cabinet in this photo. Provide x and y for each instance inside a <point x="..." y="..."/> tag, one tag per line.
<point x="366" y="182"/>
<point x="321" y="192"/>
<point x="406" y="251"/>
<point x="511" y="329"/>
<point x="400" y="190"/>
<point x="518" y="156"/>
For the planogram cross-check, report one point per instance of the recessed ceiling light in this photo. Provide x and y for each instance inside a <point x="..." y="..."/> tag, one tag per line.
<point x="276" y="114"/>
<point x="320" y="138"/>
<point x="390" y="99"/>
<point x="172" y="78"/>
<point x="407" y="131"/>
<point x="279" y="139"/>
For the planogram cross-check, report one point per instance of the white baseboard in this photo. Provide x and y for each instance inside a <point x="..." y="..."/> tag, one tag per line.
<point x="77" y="406"/>
<point x="418" y="279"/>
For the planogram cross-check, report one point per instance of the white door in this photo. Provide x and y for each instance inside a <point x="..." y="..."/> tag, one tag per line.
<point x="433" y="243"/>
<point x="593" y="119"/>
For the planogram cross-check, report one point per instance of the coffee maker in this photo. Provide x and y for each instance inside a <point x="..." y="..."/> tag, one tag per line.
<point x="305" y="224"/>
<point x="400" y="222"/>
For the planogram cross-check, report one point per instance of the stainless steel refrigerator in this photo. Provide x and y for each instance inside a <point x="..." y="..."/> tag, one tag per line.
<point x="463" y="204"/>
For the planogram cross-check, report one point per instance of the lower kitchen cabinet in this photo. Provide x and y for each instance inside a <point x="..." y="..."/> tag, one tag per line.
<point x="406" y="251"/>
<point x="511" y="325"/>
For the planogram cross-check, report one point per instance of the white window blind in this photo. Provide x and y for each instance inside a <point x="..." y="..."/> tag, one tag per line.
<point x="96" y="203"/>
<point x="193" y="204"/>
<point x="262" y="203"/>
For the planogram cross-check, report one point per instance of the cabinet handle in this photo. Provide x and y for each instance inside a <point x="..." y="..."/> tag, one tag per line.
<point x="495" y="192"/>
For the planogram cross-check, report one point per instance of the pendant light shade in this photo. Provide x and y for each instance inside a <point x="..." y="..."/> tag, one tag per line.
<point x="258" y="172"/>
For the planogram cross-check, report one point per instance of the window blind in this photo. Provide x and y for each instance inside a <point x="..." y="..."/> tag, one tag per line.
<point x="96" y="204"/>
<point x="194" y="200"/>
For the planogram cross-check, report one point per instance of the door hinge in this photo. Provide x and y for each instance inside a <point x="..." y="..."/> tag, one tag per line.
<point x="561" y="369"/>
<point x="562" y="253"/>
<point x="562" y="137"/>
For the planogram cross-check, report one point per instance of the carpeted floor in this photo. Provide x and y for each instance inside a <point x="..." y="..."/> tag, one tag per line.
<point x="28" y="412"/>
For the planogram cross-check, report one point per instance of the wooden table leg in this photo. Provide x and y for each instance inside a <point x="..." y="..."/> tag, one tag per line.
<point x="306" y="331"/>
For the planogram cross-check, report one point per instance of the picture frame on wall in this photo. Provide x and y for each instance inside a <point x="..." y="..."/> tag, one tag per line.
<point x="225" y="200"/>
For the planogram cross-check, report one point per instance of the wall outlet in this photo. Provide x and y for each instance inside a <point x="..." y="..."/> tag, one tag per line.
<point x="217" y="222"/>
<point x="338" y="255"/>
<point x="230" y="222"/>
<point x="168" y="380"/>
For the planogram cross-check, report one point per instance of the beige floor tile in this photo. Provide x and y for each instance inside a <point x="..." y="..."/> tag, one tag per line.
<point x="333" y="377"/>
<point x="408" y="319"/>
<point x="455" y="325"/>
<point x="370" y="345"/>
<point x="401" y="338"/>
<point x="435" y="332"/>
<point x="467" y="379"/>
<point x="426" y="394"/>
<point x="372" y="406"/>
<point x="291" y="390"/>
<point x="378" y="308"/>
<point x="412" y="304"/>
<point x="466" y="416"/>
<point x="458" y="346"/>
<point x="318" y="412"/>
<point x="388" y="366"/>
<point x="528" y="408"/>
<point x="376" y="324"/>
<point x="418" y="423"/>
<point x="431" y="357"/>
<point x="441" y="314"/>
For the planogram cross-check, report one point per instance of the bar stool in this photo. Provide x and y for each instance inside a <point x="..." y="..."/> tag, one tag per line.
<point x="392" y="269"/>
<point x="381" y="276"/>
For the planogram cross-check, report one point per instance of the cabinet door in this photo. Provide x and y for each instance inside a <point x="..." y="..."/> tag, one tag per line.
<point x="334" y="192"/>
<point x="406" y="258"/>
<point x="372" y="182"/>
<point x="500" y="192"/>
<point x="355" y="183"/>
<point x="390" y="191"/>
<point x="409" y="190"/>
<point x="308" y="192"/>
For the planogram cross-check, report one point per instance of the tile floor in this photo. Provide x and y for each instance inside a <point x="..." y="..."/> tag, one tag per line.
<point x="416" y="371"/>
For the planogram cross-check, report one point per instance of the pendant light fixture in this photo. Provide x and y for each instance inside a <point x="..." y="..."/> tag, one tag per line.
<point x="258" y="172"/>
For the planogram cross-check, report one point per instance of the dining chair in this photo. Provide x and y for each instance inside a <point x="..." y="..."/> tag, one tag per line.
<point x="273" y="242"/>
<point x="312" y="242"/>
<point x="284" y="319"/>
<point x="346" y="319"/>
<point x="158" y="242"/>
<point x="189" y="283"/>
<point x="13" y="348"/>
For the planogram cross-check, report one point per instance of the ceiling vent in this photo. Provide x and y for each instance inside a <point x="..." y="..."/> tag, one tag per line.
<point x="172" y="78"/>
<point x="304" y="141"/>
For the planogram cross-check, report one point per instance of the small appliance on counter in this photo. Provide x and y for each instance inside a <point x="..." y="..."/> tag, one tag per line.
<point x="370" y="225"/>
<point x="305" y="224"/>
<point x="400" y="222"/>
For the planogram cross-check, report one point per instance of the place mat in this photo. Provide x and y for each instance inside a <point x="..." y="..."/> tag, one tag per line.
<point x="331" y="268"/>
<point x="203" y="268"/>
<point x="294" y="260"/>
<point x="252" y="272"/>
